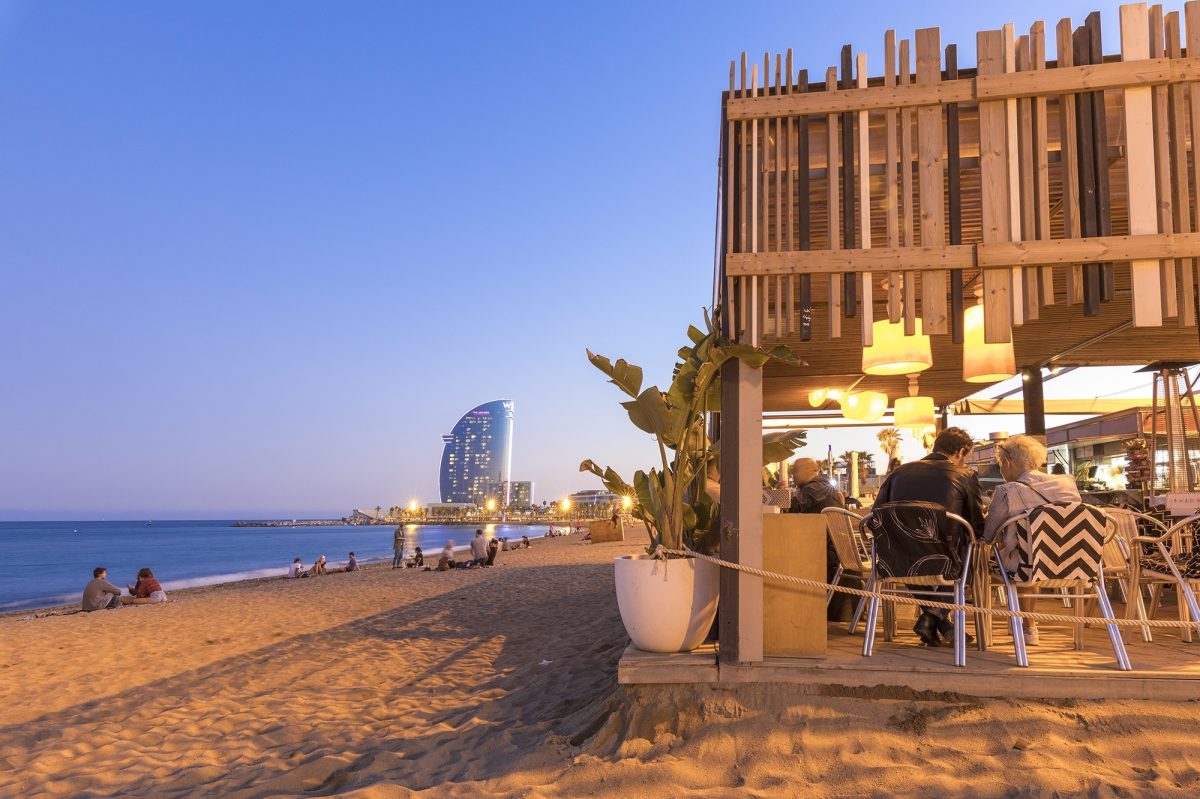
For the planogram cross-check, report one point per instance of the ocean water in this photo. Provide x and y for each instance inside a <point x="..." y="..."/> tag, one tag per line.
<point x="48" y="563"/>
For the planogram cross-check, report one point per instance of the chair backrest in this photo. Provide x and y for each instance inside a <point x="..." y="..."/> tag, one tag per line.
<point x="841" y="526"/>
<point x="1062" y="541"/>
<point x="916" y="539"/>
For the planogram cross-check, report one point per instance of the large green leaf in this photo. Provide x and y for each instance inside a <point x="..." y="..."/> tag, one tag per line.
<point x="779" y="446"/>
<point x="624" y="375"/>
<point x="638" y="416"/>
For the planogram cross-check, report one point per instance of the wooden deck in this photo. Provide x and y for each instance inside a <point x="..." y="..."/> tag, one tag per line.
<point x="1166" y="669"/>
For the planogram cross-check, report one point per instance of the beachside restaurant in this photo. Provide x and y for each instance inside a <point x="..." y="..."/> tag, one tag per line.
<point x="916" y="228"/>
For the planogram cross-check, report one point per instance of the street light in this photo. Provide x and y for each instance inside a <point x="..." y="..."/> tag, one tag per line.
<point x="491" y="505"/>
<point x="626" y="502"/>
<point x="412" y="506"/>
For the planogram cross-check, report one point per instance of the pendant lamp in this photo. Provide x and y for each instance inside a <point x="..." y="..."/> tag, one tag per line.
<point x="893" y="353"/>
<point x="914" y="411"/>
<point x="865" y="406"/>
<point x="983" y="362"/>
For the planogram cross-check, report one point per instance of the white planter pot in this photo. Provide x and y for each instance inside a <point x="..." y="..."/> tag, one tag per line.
<point x="666" y="606"/>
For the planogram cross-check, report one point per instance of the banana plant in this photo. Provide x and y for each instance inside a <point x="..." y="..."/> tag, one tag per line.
<point x="671" y="499"/>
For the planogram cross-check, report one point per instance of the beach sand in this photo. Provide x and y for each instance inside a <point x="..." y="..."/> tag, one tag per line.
<point x="502" y="682"/>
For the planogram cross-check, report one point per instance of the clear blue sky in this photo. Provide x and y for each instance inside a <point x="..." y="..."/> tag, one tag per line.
<point x="258" y="256"/>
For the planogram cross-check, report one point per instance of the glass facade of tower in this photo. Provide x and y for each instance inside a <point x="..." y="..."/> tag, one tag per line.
<point x="478" y="454"/>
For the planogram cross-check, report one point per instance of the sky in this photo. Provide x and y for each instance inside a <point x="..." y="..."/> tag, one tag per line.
<point x="257" y="257"/>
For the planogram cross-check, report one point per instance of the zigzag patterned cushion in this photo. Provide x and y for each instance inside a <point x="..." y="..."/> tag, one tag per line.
<point x="1064" y="541"/>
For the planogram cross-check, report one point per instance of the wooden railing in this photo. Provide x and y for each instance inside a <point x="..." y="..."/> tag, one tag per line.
<point x="1033" y="180"/>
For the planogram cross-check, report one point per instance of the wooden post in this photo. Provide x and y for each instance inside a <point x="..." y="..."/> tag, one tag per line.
<point x="1035" y="404"/>
<point x="741" y="630"/>
<point x="1145" y="278"/>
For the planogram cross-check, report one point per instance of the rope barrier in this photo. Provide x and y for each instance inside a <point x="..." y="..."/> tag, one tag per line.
<point x="661" y="552"/>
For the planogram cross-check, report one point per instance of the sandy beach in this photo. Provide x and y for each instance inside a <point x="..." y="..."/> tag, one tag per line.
<point x="502" y="682"/>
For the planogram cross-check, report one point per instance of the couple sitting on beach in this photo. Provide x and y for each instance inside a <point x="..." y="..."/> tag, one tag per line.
<point x="100" y="594"/>
<point x="483" y="553"/>
<point x="296" y="570"/>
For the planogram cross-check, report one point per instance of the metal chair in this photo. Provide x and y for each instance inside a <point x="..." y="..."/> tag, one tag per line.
<point x="918" y="544"/>
<point x="1157" y="573"/>
<point x="854" y="558"/>
<point x="1062" y="547"/>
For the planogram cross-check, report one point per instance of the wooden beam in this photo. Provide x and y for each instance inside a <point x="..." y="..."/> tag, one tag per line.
<point x="1063" y="80"/>
<point x="930" y="176"/>
<point x="993" y="166"/>
<point x="891" y="179"/>
<point x="909" y="295"/>
<point x="1069" y="163"/>
<point x="864" y="206"/>
<point x="989" y="256"/>
<point x="832" y="158"/>
<point x="954" y="196"/>
<point x="1140" y="168"/>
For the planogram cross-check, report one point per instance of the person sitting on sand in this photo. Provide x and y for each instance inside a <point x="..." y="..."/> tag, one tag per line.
<point x="296" y="570"/>
<point x="525" y="542"/>
<point x="479" y="549"/>
<point x="318" y="568"/>
<point x="99" y="593"/>
<point x="352" y="565"/>
<point x="493" y="549"/>
<point x="418" y="559"/>
<point x="446" y="559"/>
<point x="147" y="591"/>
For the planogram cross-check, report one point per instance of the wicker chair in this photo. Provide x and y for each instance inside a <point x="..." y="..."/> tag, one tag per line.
<point x="915" y="544"/>
<point x="1163" y="570"/>
<point x="1062" y="548"/>
<point x="854" y="558"/>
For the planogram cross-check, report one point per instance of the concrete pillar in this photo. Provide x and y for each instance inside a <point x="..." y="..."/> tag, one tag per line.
<point x="741" y="614"/>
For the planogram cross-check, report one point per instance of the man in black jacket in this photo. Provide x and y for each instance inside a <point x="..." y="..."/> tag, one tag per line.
<point x="941" y="477"/>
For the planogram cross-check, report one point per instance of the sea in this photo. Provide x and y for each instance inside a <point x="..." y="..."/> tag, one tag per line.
<point x="48" y="563"/>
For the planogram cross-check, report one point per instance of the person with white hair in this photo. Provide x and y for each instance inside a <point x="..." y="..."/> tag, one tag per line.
<point x="1021" y="459"/>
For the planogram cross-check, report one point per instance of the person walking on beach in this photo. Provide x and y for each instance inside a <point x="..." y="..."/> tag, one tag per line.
<point x="398" y="548"/>
<point x="99" y="593"/>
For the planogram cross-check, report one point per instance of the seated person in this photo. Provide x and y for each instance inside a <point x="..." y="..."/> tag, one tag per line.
<point x="479" y="549"/>
<point x="492" y="549"/>
<point x="525" y="542"/>
<point x="296" y="570"/>
<point x="814" y="492"/>
<point x="942" y="477"/>
<point x="418" y="559"/>
<point x="147" y="591"/>
<point x="352" y="564"/>
<point x="318" y="568"/>
<point x="99" y="593"/>
<point x="1020" y="459"/>
<point x="446" y="559"/>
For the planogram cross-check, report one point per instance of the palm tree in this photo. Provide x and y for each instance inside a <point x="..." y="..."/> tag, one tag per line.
<point x="889" y="442"/>
<point x="865" y="461"/>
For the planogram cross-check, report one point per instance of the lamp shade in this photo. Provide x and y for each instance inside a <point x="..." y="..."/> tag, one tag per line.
<point x="864" y="406"/>
<point x="983" y="362"/>
<point x="894" y="353"/>
<point x="914" y="412"/>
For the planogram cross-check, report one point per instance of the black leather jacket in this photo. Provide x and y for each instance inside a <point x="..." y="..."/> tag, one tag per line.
<point x="935" y="479"/>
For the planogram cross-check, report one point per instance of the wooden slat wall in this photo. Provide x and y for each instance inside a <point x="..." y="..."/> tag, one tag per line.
<point x="1034" y="181"/>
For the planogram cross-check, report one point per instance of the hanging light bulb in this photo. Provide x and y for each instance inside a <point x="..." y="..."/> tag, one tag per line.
<point x="983" y="362"/>
<point x="893" y="353"/>
<point x="914" y="411"/>
<point x="865" y="406"/>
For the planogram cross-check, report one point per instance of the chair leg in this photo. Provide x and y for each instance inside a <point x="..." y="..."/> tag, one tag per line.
<point x="889" y="620"/>
<point x="1114" y="632"/>
<point x="1137" y="609"/>
<point x="1014" y="623"/>
<point x="858" y="612"/>
<point x="960" y="625"/>
<point x="869" y="628"/>
<point x="1185" y="633"/>
<point x="837" y="576"/>
<point x="1193" y="610"/>
<point x="1078" y="610"/>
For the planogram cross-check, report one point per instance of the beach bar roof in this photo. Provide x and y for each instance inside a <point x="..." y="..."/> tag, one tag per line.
<point x="1063" y="193"/>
